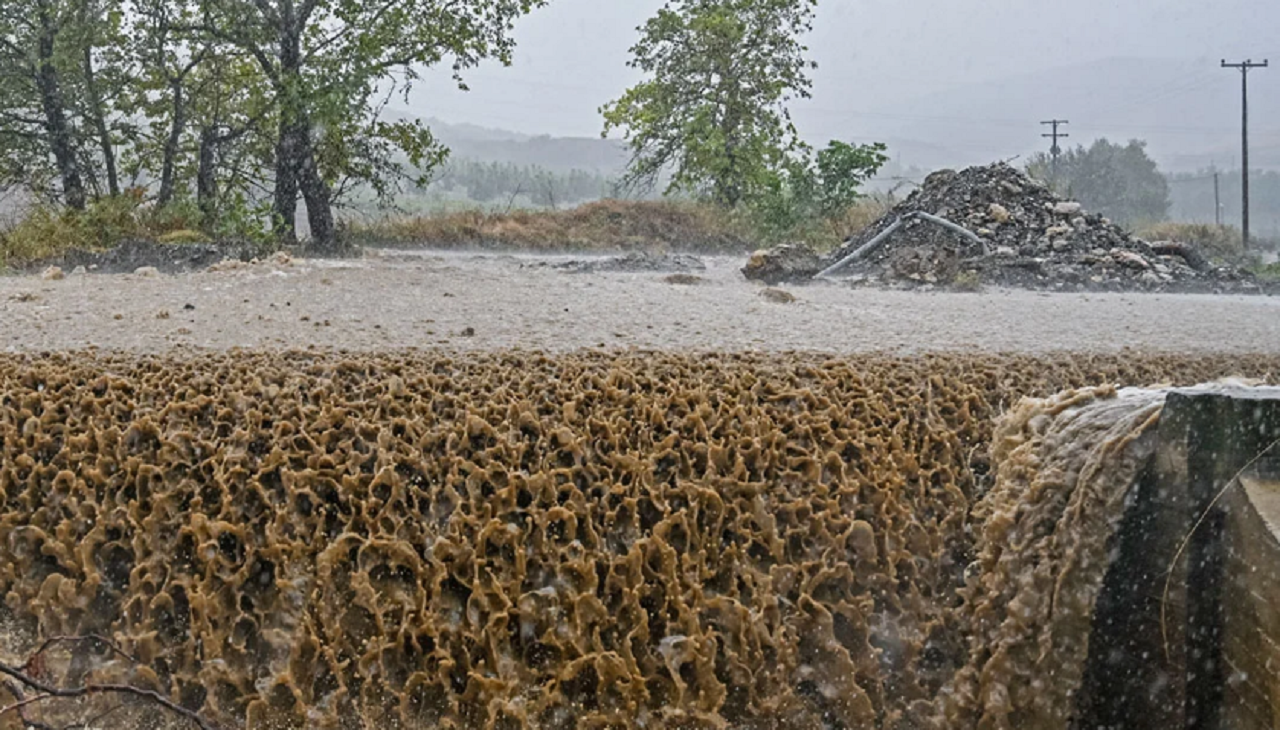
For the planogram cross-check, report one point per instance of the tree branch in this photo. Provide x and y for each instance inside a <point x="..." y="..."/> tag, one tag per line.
<point x="48" y="691"/>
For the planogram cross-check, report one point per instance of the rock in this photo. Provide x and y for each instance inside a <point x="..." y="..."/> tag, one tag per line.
<point x="169" y="258"/>
<point x="1005" y="251"/>
<point x="79" y="271"/>
<point x="1066" y="208"/>
<point x="146" y="271"/>
<point x="1130" y="260"/>
<point x="998" y="213"/>
<point x="1061" y="245"/>
<point x="53" y="273"/>
<point x="778" y="296"/>
<point x="228" y="265"/>
<point x="683" y="279"/>
<point x="1058" y="231"/>
<point x="788" y="262"/>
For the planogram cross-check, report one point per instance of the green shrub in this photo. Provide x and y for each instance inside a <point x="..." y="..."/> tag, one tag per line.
<point x="47" y="232"/>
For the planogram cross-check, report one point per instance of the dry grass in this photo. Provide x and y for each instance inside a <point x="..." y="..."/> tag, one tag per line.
<point x="607" y="225"/>
<point x="46" y="233"/>
<point x="1222" y="243"/>
<point x="859" y="217"/>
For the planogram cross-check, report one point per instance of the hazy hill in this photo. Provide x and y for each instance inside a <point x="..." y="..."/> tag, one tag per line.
<point x="557" y="154"/>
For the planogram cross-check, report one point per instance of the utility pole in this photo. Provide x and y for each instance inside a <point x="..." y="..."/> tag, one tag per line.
<point x="1055" y="150"/>
<point x="1217" y="201"/>
<point x="1244" y="67"/>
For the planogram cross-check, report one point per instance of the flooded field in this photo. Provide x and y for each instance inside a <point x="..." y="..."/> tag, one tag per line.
<point x="474" y="302"/>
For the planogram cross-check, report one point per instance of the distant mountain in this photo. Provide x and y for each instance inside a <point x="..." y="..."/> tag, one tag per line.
<point x="557" y="154"/>
<point x="1188" y="110"/>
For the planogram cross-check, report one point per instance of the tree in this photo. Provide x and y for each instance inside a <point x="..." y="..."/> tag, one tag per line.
<point x="1121" y="183"/>
<point x="43" y="46"/>
<point x="329" y="65"/>
<point x="713" y="109"/>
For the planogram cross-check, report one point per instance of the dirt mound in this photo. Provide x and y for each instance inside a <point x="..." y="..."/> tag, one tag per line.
<point x="168" y="258"/>
<point x="514" y="540"/>
<point x="1010" y="230"/>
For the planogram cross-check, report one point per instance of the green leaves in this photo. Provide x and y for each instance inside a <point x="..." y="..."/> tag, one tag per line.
<point x="1119" y="182"/>
<point x="814" y="191"/>
<point x="235" y="98"/>
<point x="712" y="111"/>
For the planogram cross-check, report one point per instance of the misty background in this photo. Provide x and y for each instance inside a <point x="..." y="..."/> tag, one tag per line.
<point x="943" y="84"/>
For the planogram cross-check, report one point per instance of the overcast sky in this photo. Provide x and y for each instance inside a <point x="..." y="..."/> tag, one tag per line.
<point x="876" y="56"/>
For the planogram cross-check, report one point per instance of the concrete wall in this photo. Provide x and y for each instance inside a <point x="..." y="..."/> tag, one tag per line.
<point x="1251" y="603"/>
<point x="1187" y="628"/>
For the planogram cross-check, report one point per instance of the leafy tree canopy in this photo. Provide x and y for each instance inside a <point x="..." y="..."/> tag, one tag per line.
<point x="1119" y="182"/>
<point x="713" y="108"/>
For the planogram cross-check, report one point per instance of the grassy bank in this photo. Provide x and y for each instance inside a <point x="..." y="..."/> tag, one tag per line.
<point x="602" y="226"/>
<point x="607" y="225"/>
<point x="45" y="233"/>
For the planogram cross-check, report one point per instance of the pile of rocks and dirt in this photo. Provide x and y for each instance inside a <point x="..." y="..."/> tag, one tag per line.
<point x="996" y="226"/>
<point x="130" y="256"/>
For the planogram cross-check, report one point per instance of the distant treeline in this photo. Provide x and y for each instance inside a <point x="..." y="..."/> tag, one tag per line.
<point x="489" y="182"/>
<point x="1192" y="200"/>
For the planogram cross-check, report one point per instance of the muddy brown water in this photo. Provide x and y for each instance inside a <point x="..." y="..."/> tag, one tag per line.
<point x="477" y="536"/>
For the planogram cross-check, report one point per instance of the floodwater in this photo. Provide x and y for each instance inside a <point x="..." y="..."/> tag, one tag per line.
<point x="395" y="300"/>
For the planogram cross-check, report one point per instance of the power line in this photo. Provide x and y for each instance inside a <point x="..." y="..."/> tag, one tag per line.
<point x="1244" y="67"/>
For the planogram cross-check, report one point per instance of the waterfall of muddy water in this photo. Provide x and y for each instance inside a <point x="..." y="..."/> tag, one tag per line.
<point x="624" y="540"/>
<point x="1064" y="467"/>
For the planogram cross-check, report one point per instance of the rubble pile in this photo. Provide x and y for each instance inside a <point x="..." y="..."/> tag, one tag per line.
<point x="1018" y="233"/>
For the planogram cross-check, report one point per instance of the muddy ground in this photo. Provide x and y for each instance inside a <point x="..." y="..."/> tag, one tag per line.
<point x="466" y="302"/>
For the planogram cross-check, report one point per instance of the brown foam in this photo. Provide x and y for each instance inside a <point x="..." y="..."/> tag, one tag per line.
<point x="512" y="540"/>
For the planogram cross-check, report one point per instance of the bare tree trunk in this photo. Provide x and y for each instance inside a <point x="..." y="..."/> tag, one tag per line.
<point x="324" y="234"/>
<point x="292" y="142"/>
<point x="99" y="119"/>
<point x="286" y="187"/>
<point x="55" y="114"/>
<point x="168" y="174"/>
<point x="207" y="178"/>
